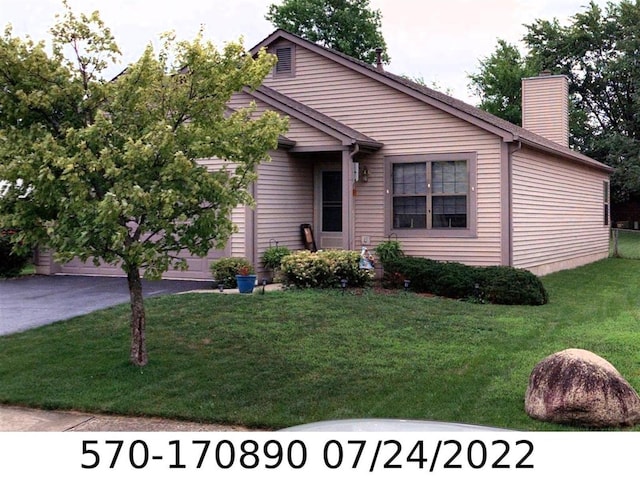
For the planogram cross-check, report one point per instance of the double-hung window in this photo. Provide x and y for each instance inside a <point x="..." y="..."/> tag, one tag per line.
<point x="432" y="194"/>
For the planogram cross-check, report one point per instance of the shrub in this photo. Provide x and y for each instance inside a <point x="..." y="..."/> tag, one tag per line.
<point x="501" y="285"/>
<point x="324" y="269"/>
<point x="345" y="264"/>
<point x="11" y="263"/>
<point x="422" y="272"/>
<point x="272" y="257"/>
<point x="389" y="250"/>
<point x="225" y="270"/>
<point x="306" y="269"/>
<point x="511" y="286"/>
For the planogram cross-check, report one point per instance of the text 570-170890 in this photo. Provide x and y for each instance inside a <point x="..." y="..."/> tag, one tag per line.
<point x="333" y="454"/>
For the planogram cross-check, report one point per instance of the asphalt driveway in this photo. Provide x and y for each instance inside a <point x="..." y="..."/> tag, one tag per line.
<point x="29" y="302"/>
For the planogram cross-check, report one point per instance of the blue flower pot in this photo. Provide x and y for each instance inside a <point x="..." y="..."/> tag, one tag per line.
<point x="246" y="283"/>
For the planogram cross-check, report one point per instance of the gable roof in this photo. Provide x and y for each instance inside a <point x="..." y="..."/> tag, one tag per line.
<point x="324" y="123"/>
<point x="508" y="131"/>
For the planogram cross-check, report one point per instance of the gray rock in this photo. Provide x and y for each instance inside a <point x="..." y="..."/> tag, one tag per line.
<point x="578" y="387"/>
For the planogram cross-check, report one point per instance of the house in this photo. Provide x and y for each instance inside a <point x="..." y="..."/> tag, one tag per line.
<point x="370" y="155"/>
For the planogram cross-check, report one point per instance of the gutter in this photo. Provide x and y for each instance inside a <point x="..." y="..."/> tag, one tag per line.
<point x="567" y="154"/>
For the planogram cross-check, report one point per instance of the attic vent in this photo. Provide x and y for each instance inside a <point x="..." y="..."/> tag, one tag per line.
<point x="285" y="60"/>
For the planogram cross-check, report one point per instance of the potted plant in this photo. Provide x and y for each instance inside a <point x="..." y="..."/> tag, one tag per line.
<point x="245" y="279"/>
<point x="388" y="251"/>
<point x="225" y="270"/>
<point x="272" y="258"/>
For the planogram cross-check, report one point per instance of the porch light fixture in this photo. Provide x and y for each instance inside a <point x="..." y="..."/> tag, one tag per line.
<point x="365" y="174"/>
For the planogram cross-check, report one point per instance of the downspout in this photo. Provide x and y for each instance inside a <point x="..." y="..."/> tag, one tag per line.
<point x="352" y="233"/>
<point x="251" y="230"/>
<point x="356" y="150"/>
<point x="511" y="151"/>
<point x="348" y="220"/>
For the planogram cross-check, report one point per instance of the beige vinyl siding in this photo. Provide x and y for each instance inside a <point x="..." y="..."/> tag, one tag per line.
<point x="545" y="107"/>
<point x="303" y="134"/>
<point x="236" y="246"/>
<point x="44" y="263"/>
<point x="284" y="200"/>
<point x="558" y="219"/>
<point x="405" y="126"/>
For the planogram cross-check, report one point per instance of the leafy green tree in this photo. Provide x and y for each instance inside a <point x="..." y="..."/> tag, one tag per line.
<point x="499" y="82"/>
<point x="105" y="170"/>
<point x="349" y="26"/>
<point x="598" y="51"/>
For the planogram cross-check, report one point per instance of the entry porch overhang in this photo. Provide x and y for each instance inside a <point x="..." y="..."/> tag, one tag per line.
<point x="350" y="145"/>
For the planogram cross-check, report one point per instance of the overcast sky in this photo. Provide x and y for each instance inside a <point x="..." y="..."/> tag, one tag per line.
<point x="441" y="41"/>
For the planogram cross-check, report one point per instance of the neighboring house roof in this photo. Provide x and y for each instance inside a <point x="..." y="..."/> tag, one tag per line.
<point x="507" y="130"/>
<point x="324" y="123"/>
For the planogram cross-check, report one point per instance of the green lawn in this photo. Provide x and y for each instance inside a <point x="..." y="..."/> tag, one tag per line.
<point x="628" y="243"/>
<point x="286" y="358"/>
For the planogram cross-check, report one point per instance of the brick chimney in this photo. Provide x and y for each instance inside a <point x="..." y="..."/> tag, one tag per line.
<point x="545" y="106"/>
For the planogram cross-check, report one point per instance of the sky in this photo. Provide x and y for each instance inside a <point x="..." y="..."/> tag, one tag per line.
<point x="440" y="41"/>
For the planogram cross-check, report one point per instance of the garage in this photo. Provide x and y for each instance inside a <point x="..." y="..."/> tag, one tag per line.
<point x="198" y="267"/>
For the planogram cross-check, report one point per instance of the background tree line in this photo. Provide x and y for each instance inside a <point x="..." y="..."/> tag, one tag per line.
<point x="599" y="51"/>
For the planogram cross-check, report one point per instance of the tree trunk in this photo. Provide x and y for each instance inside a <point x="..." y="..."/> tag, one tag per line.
<point x="138" y="341"/>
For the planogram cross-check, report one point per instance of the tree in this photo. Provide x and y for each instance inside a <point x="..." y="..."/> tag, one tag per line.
<point x="499" y="82"/>
<point x="349" y="26"/>
<point x="105" y="170"/>
<point x="598" y="51"/>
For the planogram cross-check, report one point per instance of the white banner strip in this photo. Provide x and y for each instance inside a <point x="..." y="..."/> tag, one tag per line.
<point x="289" y="455"/>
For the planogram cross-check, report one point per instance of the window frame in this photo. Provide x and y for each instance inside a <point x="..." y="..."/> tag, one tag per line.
<point x="606" y="201"/>
<point x="461" y="232"/>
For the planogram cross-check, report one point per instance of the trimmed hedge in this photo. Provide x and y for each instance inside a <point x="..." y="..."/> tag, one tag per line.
<point x="500" y="285"/>
<point x="324" y="269"/>
<point x="510" y="286"/>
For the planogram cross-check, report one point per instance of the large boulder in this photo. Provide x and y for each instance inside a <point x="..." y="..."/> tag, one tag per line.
<point x="578" y="387"/>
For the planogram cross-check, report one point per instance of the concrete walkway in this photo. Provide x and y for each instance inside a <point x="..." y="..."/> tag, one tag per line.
<point x="20" y="419"/>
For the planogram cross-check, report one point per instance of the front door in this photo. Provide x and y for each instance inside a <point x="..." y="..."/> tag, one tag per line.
<point x="329" y="208"/>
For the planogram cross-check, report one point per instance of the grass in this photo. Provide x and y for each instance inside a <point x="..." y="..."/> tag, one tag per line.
<point x="628" y="243"/>
<point x="292" y="357"/>
<point x="29" y="269"/>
